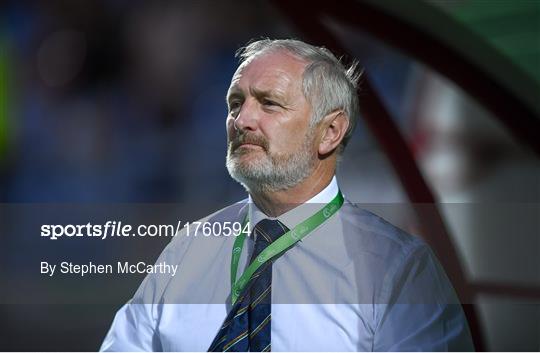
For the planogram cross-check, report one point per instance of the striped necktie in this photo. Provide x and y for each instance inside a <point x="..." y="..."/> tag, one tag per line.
<point x="248" y="324"/>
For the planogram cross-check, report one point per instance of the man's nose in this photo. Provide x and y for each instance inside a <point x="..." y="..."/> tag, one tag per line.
<point x="248" y="116"/>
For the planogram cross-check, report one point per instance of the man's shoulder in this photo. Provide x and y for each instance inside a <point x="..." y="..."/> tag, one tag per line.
<point x="392" y="257"/>
<point x="373" y="233"/>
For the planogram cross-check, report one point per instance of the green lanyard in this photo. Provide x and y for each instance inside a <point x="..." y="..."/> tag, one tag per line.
<point x="279" y="245"/>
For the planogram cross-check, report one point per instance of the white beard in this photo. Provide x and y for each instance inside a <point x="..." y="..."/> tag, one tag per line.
<point x="273" y="172"/>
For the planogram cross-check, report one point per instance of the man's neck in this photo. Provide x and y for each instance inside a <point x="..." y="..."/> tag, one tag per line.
<point x="276" y="203"/>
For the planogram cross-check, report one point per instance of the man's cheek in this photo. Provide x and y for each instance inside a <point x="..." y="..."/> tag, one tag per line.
<point x="229" y="124"/>
<point x="231" y="136"/>
<point x="287" y="144"/>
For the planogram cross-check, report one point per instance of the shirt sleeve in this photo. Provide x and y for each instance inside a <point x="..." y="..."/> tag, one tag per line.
<point x="419" y="310"/>
<point x="132" y="330"/>
<point x="134" y="327"/>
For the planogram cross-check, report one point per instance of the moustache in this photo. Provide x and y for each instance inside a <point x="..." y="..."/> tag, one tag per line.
<point x="251" y="139"/>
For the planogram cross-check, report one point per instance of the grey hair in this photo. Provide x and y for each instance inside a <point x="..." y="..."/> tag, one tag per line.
<point x="327" y="84"/>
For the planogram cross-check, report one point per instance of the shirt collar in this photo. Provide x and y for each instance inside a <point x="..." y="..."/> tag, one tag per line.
<point x="298" y="214"/>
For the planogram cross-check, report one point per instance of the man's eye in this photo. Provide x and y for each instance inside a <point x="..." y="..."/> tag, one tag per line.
<point x="234" y="106"/>
<point x="269" y="103"/>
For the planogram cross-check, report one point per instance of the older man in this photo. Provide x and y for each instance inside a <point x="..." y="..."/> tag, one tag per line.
<point x="317" y="273"/>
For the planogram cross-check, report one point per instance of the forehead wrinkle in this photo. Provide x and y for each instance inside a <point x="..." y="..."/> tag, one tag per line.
<point x="268" y="80"/>
<point x="278" y="83"/>
<point x="261" y="93"/>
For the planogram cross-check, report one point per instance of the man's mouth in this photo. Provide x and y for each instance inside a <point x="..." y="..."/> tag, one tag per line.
<point x="250" y="145"/>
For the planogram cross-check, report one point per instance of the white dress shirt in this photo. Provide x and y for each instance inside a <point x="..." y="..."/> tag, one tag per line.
<point x="356" y="283"/>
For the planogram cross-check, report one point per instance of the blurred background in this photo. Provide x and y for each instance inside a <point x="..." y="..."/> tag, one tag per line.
<point x="124" y="102"/>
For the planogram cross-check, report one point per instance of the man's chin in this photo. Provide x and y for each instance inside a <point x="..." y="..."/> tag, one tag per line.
<point x="244" y="170"/>
<point x="247" y="181"/>
<point x="248" y="158"/>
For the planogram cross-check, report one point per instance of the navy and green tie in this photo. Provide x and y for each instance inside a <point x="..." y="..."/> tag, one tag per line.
<point x="248" y="324"/>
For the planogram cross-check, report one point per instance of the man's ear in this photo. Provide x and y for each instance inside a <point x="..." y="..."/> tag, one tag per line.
<point x="334" y="126"/>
